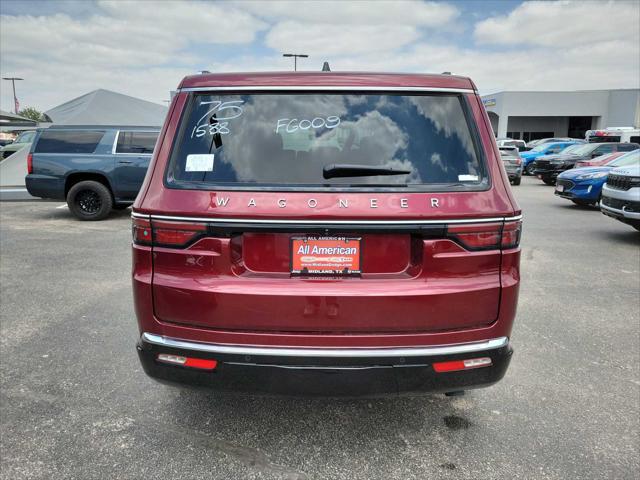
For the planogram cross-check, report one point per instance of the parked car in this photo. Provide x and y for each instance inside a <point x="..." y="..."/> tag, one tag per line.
<point x="540" y="141"/>
<point x="94" y="168"/>
<point x="547" y="168"/>
<point x="550" y="148"/>
<point x="598" y="161"/>
<point x="621" y="195"/>
<point x="614" y="134"/>
<point x="511" y="142"/>
<point x="512" y="164"/>
<point x="294" y="225"/>
<point x="23" y="140"/>
<point x="583" y="186"/>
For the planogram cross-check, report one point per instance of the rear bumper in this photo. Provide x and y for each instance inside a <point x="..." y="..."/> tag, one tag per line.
<point x="45" y="186"/>
<point x="325" y="371"/>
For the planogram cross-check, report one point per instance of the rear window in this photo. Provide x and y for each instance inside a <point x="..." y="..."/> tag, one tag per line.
<point x="292" y="140"/>
<point x="69" y="141"/>
<point x="136" y="142"/>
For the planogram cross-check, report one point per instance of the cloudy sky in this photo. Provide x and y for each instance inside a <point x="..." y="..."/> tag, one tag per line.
<point x="64" y="49"/>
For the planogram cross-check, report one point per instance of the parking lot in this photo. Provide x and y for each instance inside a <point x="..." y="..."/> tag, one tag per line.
<point x="76" y="404"/>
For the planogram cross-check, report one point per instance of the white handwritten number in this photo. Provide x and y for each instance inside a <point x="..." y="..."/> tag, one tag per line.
<point x="231" y="109"/>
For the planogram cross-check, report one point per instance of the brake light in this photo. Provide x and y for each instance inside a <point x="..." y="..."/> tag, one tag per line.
<point x="200" y="363"/>
<point x="486" y="236"/>
<point x="511" y="234"/>
<point x="457" y="365"/>
<point x="518" y="161"/>
<point x="30" y="163"/>
<point x="165" y="234"/>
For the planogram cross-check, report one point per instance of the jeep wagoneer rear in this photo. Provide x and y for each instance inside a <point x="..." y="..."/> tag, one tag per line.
<point x="326" y="233"/>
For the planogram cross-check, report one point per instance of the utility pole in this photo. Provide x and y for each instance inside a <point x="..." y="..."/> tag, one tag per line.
<point x="295" y="58"/>
<point x="15" y="99"/>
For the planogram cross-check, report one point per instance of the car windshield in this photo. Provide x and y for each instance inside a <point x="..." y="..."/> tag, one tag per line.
<point x="540" y="148"/>
<point x="626" y="160"/>
<point x="582" y="149"/>
<point x="322" y="140"/>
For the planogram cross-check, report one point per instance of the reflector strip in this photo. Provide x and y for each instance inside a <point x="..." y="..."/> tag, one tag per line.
<point x="456" y="365"/>
<point x="201" y="363"/>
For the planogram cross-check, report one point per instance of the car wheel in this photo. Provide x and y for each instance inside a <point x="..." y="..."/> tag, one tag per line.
<point x="529" y="169"/>
<point x="517" y="180"/>
<point x="90" y="200"/>
<point x="549" y="181"/>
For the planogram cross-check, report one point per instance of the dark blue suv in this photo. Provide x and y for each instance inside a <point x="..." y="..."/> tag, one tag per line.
<point x="94" y="168"/>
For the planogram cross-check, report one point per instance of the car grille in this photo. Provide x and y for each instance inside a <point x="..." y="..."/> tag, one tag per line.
<point x="621" y="204"/>
<point x="622" y="182"/>
<point x="567" y="184"/>
<point x="543" y="164"/>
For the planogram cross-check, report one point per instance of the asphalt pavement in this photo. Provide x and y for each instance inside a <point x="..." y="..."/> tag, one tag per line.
<point x="74" y="402"/>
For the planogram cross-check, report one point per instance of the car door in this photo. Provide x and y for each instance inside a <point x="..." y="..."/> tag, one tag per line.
<point x="132" y="152"/>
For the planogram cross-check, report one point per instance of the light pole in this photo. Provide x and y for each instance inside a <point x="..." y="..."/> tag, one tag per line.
<point x="295" y="58"/>
<point x="13" y="83"/>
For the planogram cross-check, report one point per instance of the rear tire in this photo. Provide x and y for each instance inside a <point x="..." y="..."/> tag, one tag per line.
<point x="549" y="181"/>
<point x="517" y="181"/>
<point x="90" y="200"/>
<point x="529" y="169"/>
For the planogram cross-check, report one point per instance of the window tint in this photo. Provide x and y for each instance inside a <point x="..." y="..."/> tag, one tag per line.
<point x="136" y="142"/>
<point x="603" y="149"/>
<point x="69" y="141"/>
<point x="626" y="148"/>
<point x="288" y="139"/>
<point x="635" y="139"/>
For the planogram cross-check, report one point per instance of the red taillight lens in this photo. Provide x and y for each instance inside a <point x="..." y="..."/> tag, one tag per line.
<point x="511" y="234"/>
<point x="30" y="163"/>
<point x="457" y="365"/>
<point x="486" y="236"/>
<point x="518" y="161"/>
<point x="141" y="231"/>
<point x="165" y="234"/>
<point x="176" y="234"/>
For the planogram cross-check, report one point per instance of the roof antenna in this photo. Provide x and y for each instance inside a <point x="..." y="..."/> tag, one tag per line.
<point x="325" y="67"/>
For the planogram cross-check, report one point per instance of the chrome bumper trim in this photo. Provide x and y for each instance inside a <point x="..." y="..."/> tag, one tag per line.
<point x="327" y="352"/>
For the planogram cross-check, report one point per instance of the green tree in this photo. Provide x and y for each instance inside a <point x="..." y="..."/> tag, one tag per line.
<point x="31" y="113"/>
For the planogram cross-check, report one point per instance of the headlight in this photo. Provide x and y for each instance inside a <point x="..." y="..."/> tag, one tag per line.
<point x="587" y="176"/>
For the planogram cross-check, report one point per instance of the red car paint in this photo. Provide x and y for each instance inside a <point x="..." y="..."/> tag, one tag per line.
<point x="598" y="161"/>
<point x="238" y="290"/>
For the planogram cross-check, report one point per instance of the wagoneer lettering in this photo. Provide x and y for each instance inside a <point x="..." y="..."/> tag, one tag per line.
<point x="354" y="224"/>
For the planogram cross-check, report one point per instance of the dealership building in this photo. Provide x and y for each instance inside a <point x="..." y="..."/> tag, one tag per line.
<point x="532" y="115"/>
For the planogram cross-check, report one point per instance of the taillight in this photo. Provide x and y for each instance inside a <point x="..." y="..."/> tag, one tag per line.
<point x="511" y="234"/>
<point x="518" y="161"/>
<point x="166" y="234"/>
<point x="30" y="163"/>
<point x="486" y="236"/>
<point x="141" y="231"/>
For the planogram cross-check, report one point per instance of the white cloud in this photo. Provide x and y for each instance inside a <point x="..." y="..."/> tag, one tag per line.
<point x="144" y="48"/>
<point x="380" y="12"/>
<point x="326" y="39"/>
<point x="563" y="24"/>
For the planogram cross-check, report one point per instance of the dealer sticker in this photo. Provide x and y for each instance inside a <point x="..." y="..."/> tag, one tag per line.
<point x="199" y="163"/>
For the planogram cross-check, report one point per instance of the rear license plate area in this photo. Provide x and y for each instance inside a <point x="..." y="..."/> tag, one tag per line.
<point x="322" y="255"/>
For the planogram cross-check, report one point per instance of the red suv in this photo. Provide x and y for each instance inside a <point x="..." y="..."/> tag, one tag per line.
<point x="326" y="233"/>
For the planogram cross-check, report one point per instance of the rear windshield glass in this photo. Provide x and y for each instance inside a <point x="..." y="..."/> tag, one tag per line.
<point x="295" y="139"/>
<point x="69" y="141"/>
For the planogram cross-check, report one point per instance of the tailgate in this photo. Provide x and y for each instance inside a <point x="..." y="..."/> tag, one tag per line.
<point x="412" y="278"/>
